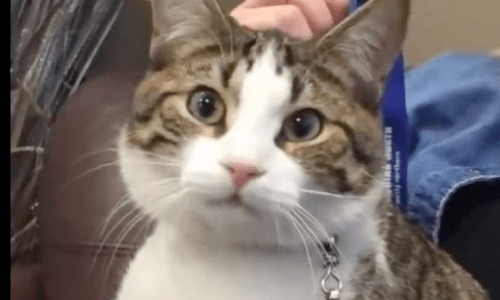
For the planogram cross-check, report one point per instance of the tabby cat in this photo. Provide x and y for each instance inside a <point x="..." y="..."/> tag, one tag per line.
<point x="260" y="158"/>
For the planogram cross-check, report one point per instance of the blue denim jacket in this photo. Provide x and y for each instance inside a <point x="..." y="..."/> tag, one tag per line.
<point x="453" y="106"/>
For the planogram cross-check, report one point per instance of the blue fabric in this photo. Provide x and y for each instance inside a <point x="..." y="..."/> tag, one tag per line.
<point x="453" y="106"/>
<point x="395" y="129"/>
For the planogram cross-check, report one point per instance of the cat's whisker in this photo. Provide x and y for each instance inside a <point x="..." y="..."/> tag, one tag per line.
<point x="98" y="168"/>
<point x="162" y="203"/>
<point x="85" y="173"/>
<point x="162" y="157"/>
<point x="149" y="153"/>
<point x="121" y="237"/>
<point x="126" y="229"/>
<point x="277" y="225"/>
<point x="344" y="47"/>
<point x="115" y="226"/>
<point x="332" y="195"/>
<point x="90" y="154"/>
<point x="368" y="174"/>
<point x="119" y="204"/>
<point x="312" y="219"/>
<point x="147" y="224"/>
<point x="301" y="215"/>
<point x="228" y="26"/>
<point x="313" y="237"/>
<point x="165" y="200"/>
<point x="219" y="43"/>
<point x="108" y="235"/>
<point x="309" y="260"/>
<point x="153" y="163"/>
<point x="161" y="182"/>
<point x="131" y="134"/>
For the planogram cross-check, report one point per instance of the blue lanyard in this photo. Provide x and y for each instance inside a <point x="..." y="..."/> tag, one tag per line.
<point x="395" y="130"/>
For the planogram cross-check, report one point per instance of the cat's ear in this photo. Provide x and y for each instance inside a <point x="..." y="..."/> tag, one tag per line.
<point x="368" y="40"/>
<point x="183" y="25"/>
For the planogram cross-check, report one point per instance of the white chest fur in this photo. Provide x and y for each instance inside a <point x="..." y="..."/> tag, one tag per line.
<point x="169" y="266"/>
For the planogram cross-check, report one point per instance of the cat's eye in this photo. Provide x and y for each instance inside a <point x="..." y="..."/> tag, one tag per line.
<point x="206" y="106"/>
<point x="303" y="125"/>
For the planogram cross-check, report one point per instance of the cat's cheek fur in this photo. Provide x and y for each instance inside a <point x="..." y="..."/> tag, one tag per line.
<point x="144" y="177"/>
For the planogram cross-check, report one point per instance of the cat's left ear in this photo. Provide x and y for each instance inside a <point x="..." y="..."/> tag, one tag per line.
<point x="367" y="41"/>
<point x="181" y="26"/>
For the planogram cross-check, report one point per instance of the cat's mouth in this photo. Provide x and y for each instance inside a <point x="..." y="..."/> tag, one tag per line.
<point x="234" y="202"/>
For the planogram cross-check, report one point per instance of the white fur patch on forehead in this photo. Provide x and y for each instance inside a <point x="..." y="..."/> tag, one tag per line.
<point x="264" y="95"/>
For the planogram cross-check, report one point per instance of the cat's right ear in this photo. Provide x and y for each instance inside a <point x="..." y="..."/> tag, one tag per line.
<point x="182" y="26"/>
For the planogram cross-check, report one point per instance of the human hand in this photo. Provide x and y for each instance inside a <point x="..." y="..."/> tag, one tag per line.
<point x="301" y="19"/>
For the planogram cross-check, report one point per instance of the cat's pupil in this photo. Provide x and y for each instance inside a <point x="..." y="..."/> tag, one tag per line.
<point x="206" y="105"/>
<point x="302" y="126"/>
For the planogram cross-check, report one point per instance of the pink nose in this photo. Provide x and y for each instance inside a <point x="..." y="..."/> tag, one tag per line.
<point x="242" y="173"/>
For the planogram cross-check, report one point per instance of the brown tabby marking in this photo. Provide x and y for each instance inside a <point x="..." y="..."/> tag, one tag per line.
<point x="329" y="76"/>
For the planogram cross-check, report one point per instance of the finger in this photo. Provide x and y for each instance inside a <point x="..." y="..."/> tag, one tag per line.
<point x="250" y="4"/>
<point x="285" y="18"/>
<point x="338" y="9"/>
<point x="316" y="12"/>
<point x="261" y="3"/>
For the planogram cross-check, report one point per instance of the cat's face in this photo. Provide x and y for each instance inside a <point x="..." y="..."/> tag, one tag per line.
<point x="235" y="133"/>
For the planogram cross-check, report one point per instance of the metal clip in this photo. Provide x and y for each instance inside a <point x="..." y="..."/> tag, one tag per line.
<point x="331" y="293"/>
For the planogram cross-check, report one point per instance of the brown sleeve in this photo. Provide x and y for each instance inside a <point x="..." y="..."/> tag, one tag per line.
<point x="75" y="201"/>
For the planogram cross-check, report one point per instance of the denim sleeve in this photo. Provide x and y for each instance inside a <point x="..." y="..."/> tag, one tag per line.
<point x="453" y="105"/>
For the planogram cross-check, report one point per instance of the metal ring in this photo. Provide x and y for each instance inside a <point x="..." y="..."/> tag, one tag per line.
<point x="329" y="273"/>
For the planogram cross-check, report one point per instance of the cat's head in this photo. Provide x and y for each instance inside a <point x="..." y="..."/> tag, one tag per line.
<point x="234" y="130"/>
